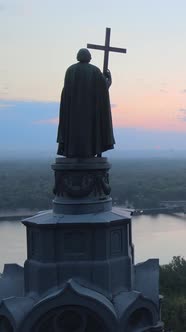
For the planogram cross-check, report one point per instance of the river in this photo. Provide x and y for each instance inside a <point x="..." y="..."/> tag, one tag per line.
<point x="161" y="236"/>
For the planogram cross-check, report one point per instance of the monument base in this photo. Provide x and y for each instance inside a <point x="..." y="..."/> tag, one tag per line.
<point x="79" y="275"/>
<point x="93" y="248"/>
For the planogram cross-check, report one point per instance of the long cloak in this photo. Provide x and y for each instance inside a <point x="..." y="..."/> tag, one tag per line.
<point x="85" y="122"/>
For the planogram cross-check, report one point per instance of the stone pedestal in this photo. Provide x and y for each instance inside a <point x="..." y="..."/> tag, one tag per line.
<point x="94" y="248"/>
<point x="81" y="186"/>
<point x="79" y="275"/>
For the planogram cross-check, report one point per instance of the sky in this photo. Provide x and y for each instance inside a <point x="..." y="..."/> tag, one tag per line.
<point x="40" y="39"/>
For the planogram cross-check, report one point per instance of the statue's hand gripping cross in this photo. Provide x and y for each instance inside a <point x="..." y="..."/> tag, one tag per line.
<point x="106" y="48"/>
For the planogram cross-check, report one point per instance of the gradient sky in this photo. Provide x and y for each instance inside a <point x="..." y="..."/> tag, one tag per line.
<point x="40" y="39"/>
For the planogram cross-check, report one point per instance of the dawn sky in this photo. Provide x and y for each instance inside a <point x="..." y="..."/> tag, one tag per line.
<point x="40" y="39"/>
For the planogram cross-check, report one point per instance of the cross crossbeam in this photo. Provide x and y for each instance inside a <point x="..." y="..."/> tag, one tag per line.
<point x="106" y="48"/>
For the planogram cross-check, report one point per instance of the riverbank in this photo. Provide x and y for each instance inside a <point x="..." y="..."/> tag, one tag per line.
<point x="161" y="210"/>
<point x="19" y="214"/>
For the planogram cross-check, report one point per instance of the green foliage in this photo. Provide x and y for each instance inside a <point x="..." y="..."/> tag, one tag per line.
<point x="173" y="288"/>
<point x="173" y="277"/>
<point x="25" y="184"/>
<point x="145" y="183"/>
<point x="174" y="313"/>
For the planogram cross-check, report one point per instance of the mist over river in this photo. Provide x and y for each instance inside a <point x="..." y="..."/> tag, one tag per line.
<point x="161" y="236"/>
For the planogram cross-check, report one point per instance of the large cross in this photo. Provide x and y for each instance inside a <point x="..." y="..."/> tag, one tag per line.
<point x="106" y="48"/>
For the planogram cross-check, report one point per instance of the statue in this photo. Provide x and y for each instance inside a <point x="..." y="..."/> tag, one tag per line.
<point x="85" y="122"/>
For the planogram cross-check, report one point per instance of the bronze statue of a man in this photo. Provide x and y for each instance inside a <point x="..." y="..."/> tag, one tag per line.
<point x="85" y="121"/>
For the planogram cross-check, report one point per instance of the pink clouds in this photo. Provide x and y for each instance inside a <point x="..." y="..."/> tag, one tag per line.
<point x="52" y="121"/>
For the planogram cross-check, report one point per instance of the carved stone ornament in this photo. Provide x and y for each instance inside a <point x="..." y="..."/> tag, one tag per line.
<point x="81" y="184"/>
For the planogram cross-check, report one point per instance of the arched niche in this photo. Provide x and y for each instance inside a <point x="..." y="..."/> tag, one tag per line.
<point x="5" y="325"/>
<point x="140" y="318"/>
<point x="70" y="319"/>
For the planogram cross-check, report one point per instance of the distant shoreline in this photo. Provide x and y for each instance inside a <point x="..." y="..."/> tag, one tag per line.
<point x="161" y="210"/>
<point x="20" y="214"/>
<point x="17" y="214"/>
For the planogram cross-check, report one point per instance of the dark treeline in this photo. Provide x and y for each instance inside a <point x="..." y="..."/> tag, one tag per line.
<point x="25" y="184"/>
<point x="135" y="183"/>
<point x="145" y="183"/>
<point x="173" y="288"/>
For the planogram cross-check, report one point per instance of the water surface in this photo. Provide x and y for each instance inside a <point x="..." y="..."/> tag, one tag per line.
<point x="161" y="236"/>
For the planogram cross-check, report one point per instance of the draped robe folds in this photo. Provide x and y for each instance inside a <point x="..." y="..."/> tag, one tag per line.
<point x="85" y="121"/>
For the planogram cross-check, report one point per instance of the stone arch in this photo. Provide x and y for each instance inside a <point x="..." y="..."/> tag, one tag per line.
<point x="5" y="325"/>
<point x="142" y="313"/>
<point x="92" y="308"/>
<point x="70" y="319"/>
<point x="139" y="318"/>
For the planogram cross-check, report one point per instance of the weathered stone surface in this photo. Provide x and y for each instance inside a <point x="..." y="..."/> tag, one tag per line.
<point x="81" y="185"/>
<point x="92" y="247"/>
<point x="12" y="281"/>
<point x="148" y="286"/>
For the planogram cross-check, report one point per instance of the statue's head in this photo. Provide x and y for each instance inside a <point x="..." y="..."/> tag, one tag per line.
<point x="84" y="55"/>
